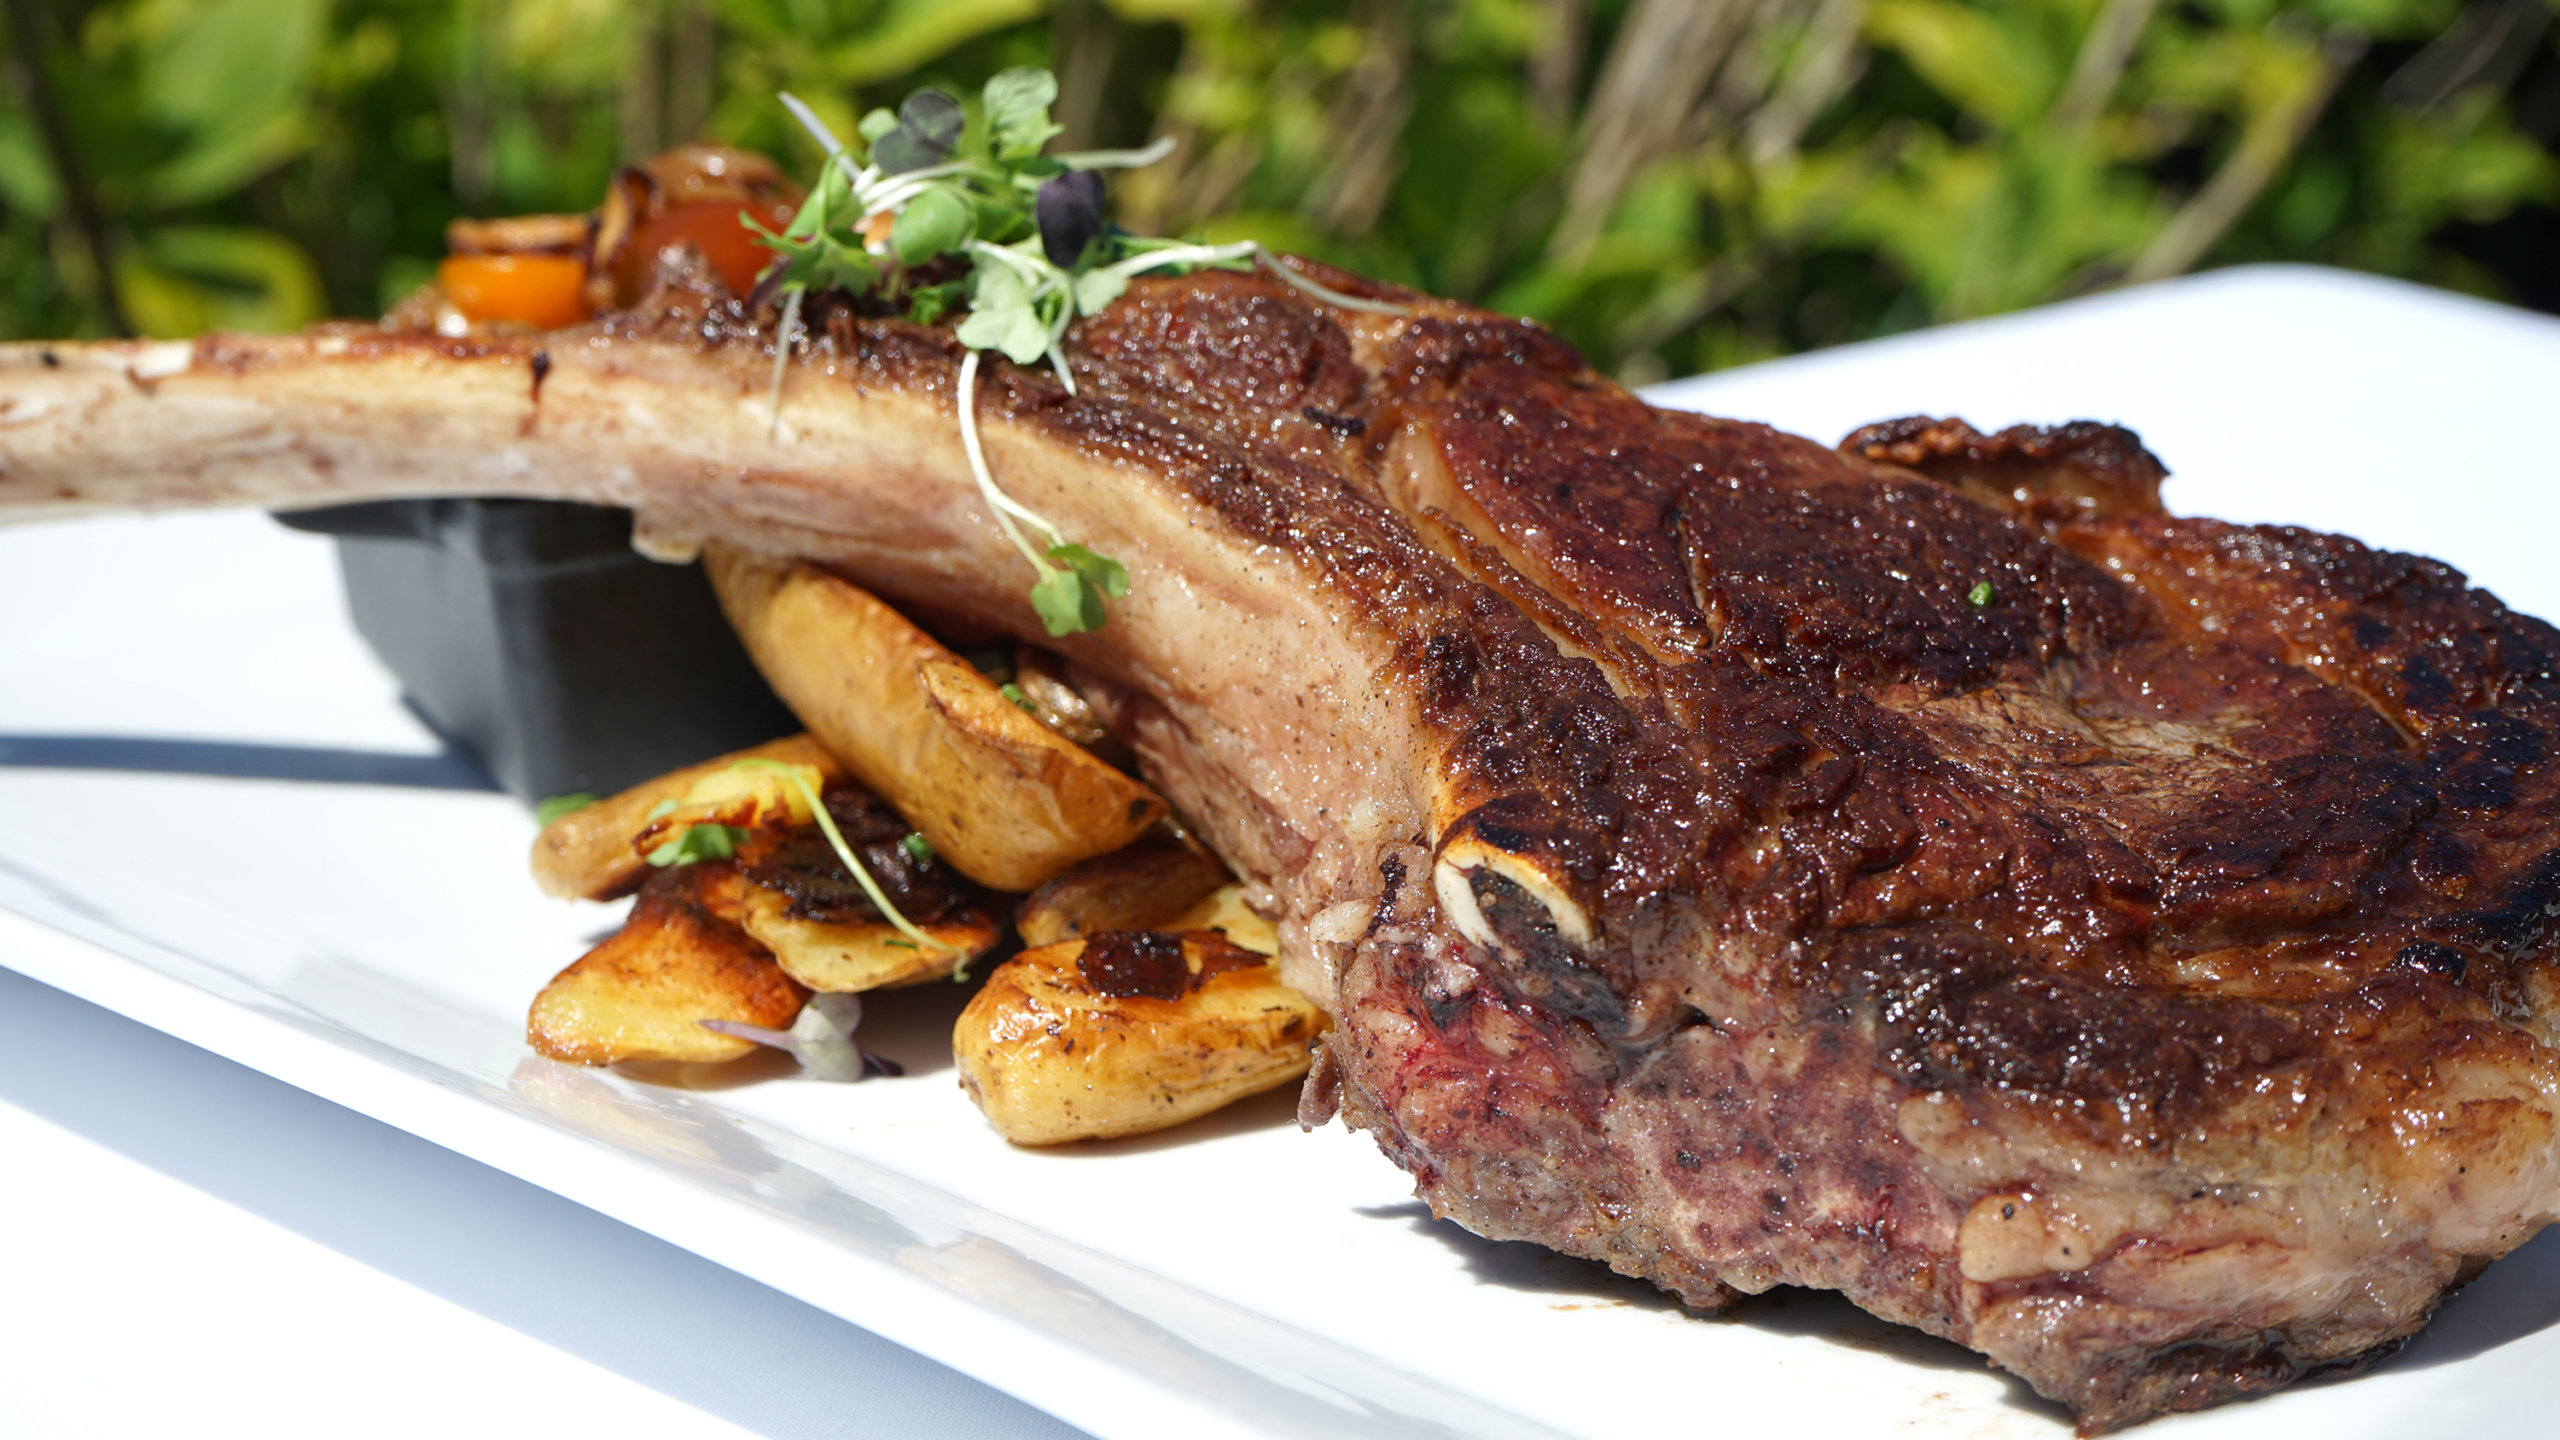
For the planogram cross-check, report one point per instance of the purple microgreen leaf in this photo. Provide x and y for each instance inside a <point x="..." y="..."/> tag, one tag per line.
<point x="928" y="130"/>
<point x="1069" y="209"/>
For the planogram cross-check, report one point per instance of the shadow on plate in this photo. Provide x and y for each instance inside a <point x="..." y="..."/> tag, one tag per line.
<point x="2516" y="1298"/>
<point x="1814" y="1314"/>
<point x="1270" y="1110"/>
<point x="230" y="760"/>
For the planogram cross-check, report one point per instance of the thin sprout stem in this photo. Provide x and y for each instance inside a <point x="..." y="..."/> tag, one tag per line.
<point x="781" y="356"/>
<point x="1252" y="250"/>
<point x="996" y="499"/>
<point x="1146" y="260"/>
<point x="888" y="192"/>
<point x="844" y="852"/>
<point x="778" y="1039"/>
<point x="825" y="137"/>
<point x="1033" y="272"/>
<point x="1117" y="159"/>
<point x="1058" y="332"/>
<point x="1328" y="295"/>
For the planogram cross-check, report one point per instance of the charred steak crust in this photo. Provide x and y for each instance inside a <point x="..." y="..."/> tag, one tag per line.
<point x="1924" y="869"/>
<point x="2117" y="970"/>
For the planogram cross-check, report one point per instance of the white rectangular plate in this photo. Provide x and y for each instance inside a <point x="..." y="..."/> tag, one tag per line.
<point x="376" y="943"/>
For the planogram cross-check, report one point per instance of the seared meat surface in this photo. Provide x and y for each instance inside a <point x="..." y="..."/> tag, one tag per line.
<point x="1923" y="869"/>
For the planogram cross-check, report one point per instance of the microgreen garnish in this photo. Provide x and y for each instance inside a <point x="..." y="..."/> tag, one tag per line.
<point x="1021" y="702"/>
<point x="918" y="848"/>
<point x="821" y="1039"/>
<point x="1040" y="252"/>
<point x="853" y="862"/>
<point x="552" y="807"/>
<point x="698" y="843"/>
<point x="1979" y="595"/>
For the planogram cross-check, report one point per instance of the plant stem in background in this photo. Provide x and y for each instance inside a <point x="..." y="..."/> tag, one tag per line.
<point x="2100" y="64"/>
<point x="2264" y="148"/>
<point x="1665" y="58"/>
<point x="27" y="49"/>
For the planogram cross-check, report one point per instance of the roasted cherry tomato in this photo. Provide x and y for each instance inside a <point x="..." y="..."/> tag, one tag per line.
<point x="543" y="291"/>
<point x="737" y="254"/>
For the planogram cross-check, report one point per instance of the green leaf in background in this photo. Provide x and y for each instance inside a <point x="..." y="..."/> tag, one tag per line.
<point x="903" y="36"/>
<point x="1982" y="58"/>
<point x="27" y="181"/>
<point x="185" y="280"/>
<point x="1668" y="195"/>
<point x="232" y="76"/>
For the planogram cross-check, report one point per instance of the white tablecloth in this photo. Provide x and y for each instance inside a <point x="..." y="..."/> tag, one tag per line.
<point x="189" y="1248"/>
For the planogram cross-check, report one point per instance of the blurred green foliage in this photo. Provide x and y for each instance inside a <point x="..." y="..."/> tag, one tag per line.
<point x="1673" y="184"/>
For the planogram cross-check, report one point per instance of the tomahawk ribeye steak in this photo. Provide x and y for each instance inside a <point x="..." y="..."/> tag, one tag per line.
<point x="1923" y="869"/>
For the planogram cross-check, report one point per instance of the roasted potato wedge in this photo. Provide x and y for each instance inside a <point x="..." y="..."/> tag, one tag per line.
<point x="864" y="955"/>
<point x="1127" y="1031"/>
<point x="1144" y="887"/>
<point x="594" y="853"/>
<point x="679" y="959"/>
<point x="1005" y="800"/>
<point x="1161" y="883"/>
<point x="1224" y="910"/>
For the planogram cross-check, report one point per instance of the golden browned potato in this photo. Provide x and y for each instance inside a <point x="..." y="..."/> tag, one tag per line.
<point x="1003" y="799"/>
<point x="1144" y="887"/>
<point x="1126" y="1031"/>
<point x="593" y="853"/>
<point x="678" y="960"/>
<point x="1224" y="910"/>
<point x="864" y="955"/>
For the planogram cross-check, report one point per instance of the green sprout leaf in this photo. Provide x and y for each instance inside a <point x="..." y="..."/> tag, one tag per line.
<point x="1067" y="603"/>
<point x="1098" y="288"/>
<point x="1100" y="571"/>
<point x="1002" y="219"/>
<point x="1980" y="595"/>
<point x="1017" y="105"/>
<point x="918" y="848"/>
<point x="936" y="222"/>
<point x="552" y="808"/>
<point x="930" y="303"/>
<point x="1022" y="702"/>
<point x="698" y="843"/>
<point x="1034" y="234"/>
<point x="1003" y="316"/>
